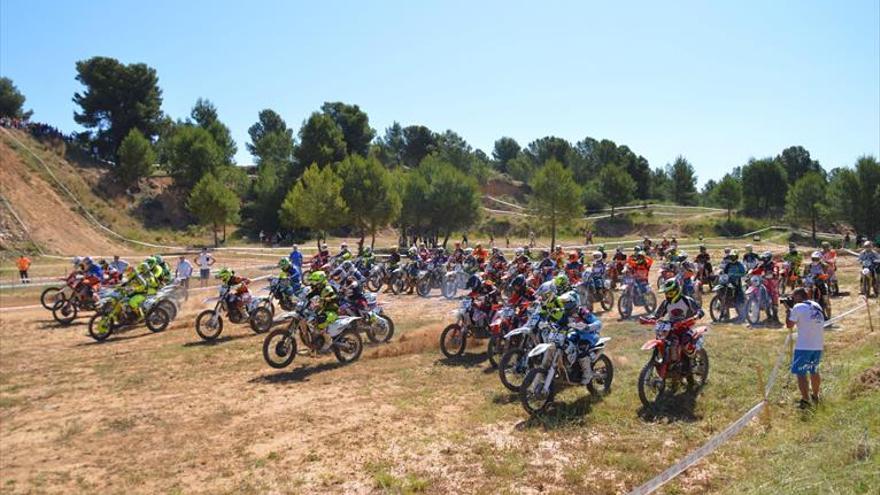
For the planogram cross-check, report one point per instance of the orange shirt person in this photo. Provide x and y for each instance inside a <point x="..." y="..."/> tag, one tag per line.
<point x="23" y="263"/>
<point x="481" y="254"/>
<point x="640" y="265"/>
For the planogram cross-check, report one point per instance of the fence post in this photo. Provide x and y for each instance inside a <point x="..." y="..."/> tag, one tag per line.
<point x="765" y="413"/>
<point x="868" y="308"/>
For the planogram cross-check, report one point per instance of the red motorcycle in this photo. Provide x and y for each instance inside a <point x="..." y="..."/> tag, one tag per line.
<point x="671" y="361"/>
<point x="80" y="292"/>
<point x="505" y="320"/>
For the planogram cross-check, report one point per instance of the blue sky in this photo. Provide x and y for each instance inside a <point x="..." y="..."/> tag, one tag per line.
<point x="718" y="82"/>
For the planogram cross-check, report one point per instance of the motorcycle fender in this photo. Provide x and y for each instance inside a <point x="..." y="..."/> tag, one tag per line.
<point x="338" y="326"/>
<point x="517" y="331"/>
<point x="602" y="341"/>
<point x="651" y="344"/>
<point x="539" y="349"/>
<point x="699" y="331"/>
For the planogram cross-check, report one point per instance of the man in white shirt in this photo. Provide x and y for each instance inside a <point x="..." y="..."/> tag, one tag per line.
<point x="204" y="260"/>
<point x="183" y="273"/>
<point x="118" y="264"/>
<point x="809" y="318"/>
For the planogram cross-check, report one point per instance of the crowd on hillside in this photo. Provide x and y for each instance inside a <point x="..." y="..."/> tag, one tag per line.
<point x="36" y="129"/>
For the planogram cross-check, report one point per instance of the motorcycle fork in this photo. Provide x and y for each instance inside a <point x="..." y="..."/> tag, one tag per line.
<point x="551" y="372"/>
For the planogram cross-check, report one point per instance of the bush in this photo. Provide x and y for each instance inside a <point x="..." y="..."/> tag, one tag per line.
<point x="732" y="228"/>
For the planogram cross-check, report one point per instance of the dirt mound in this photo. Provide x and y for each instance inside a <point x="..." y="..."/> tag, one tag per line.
<point x="53" y="223"/>
<point x="866" y="382"/>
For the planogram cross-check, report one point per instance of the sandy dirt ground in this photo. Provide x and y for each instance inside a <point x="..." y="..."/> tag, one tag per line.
<point x="168" y="413"/>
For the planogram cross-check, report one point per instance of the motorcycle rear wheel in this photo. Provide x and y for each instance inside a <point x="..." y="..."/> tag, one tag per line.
<point x="603" y="375"/>
<point x="348" y="347"/>
<point x="64" y="311"/>
<point x="157" y="319"/>
<point x="608" y="300"/>
<point x="261" y="320"/>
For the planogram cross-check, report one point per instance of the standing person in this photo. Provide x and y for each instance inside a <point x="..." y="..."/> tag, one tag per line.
<point x="807" y="315"/>
<point x="507" y="240"/>
<point x="846" y="240"/>
<point x="296" y="258"/>
<point x="118" y="264"/>
<point x="204" y="260"/>
<point x="183" y="273"/>
<point x="23" y="263"/>
<point x="531" y="238"/>
<point x="464" y="240"/>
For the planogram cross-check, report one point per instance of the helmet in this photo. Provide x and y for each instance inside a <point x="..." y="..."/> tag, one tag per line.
<point x="727" y="251"/>
<point x="601" y="248"/>
<point x="573" y="256"/>
<point x="618" y="250"/>
<point x="78" y="259"/>
<point x="346" y="265"/>
<point x="150" y="261"/>
<point x="368" y="251"/>
<point x="225" y="274"/>
<point x="327" y="291"/>
<point x="867" y="245"/>
<point x="284" y="263"/>
<point x="702" y="248"/>
<point x="144" y="267"/>
<point x="682" y="256"/>
<point x="816" y="256"/>
<point x="570" y="300"/>
<point x="671" y="290"/>
<point x="473" y="282"/>
<point x="560" y="280"/>
<point x="344" y="245"/>
<point x="518" y="252"/>
<point x="637" y="250"/>
<point x="766" y="255"/>
<point x="317" y="278"/>
<point x="413" y="251"/>
<point x="88" y="261"/>
<point x="158" y="259"/>
<point x="597" y="255"/>
<point x="546" y="291"/>
<point x="518" y="281"/>
<point x="826" y="245"/>
<point x="469" y="251"/>
<point x="733" y="255"/>
<point x="748" y="248"/>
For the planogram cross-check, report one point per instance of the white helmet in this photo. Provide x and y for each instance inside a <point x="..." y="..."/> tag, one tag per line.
<point x="546" y="290"/>
<point x="816" y="255"/>
<point x="597" y="255"/>
<point x="518" y="252"/>
<point x="77" y="260"/>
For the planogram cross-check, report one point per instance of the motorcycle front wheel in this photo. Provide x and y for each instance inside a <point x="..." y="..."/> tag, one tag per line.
<point x="50" y="296"/>
<point x="453" y="341"/>
<point x="651" y="386"/>
<point x="374" y="283"/>
<point x="449" y="289"/>
<point x="753" y="311"/>
<point x="279" y="348"/>
<point x="608" y="300"/>
<point x="100" y="327"/>
<point x="531" y="394"/>
<point x="625" y="306"/>
<point x="513" y="368"/>
<point x="423" y="287"/>
<point x="378" y="333"/>
<point x="206" y="329"/>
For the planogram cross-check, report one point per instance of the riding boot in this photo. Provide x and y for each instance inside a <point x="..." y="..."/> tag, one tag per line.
<point x="586" y="369"/>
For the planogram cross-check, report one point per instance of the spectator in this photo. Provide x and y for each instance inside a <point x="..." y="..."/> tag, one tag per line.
<point x="296" y="258"/>
<point x="846" y="240"/>
<point x="118" y="264"/>
<point x="183" y="273"/>
<point x="807" y="315"/>
<point x="23" y="263"/>
<point x="204" y="260"/>
<point x="531" y="238"/>
<point x="464" y="240"/>
<point x="507" y="240"/>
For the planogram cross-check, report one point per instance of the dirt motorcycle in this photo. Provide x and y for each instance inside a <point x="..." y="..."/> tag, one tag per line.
<point x="817" y="290"/>
<point x="209" y="323"/>
<point x="52" y="295"/>
<point x="404" y="279"/>
<point x="115" y="314"/>
<point x="757" y="300"/>
<point x="454" y="280"/>
<point x="726" y="298"/>
<point x="280" y="348"/>
<point x="868" y="278"/>
<point x="515" y="363"/>
<point x="506" y="319"/>
<point x="560" y="366"/>
<point x="789" y="279"/>
<point x="469" y="322"/>
<point x="595" y="290"/>
<point x="634" y="293"/>
<point x="81" y="298"/>
<point x="279" y="291"/>
<point x="704" y="275"/>
<point x="430" y="278"/>
<point x="669" y="363"/>
<point x="378" y="276"/>
<point x="373" y="321"/>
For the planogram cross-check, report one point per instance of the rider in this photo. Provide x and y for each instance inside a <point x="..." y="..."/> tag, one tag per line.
<point x="725" y="259"/>
<point x="870" y="259"/>
<point x="138" y="285"/>
<point x="640" y="266"/>
<point x="574" y="266"/>
<point x="166" y="270"/>
<point x="481" y="254"/>
<point x="704" y="258"/>
<point x="767" y="269"/>
<point x="367" y="258"/>
<point x="750" y="258"/>
<point x="597" y="274"/>
<point x="818" y="270"/>
<point x="327" y="305"/>
<point x="483" y="294"/>
<point x="677" y="307"/>
<point x="562" y="283"/>
<point x="829" y="256"/>
<point x="237" y="288"/>
<point x="735" y="271"/>
<point x="794" y="258"/>
<point x="520" y="292"/>
<point x="93" y="276"/>
<point x="291" y="274"/>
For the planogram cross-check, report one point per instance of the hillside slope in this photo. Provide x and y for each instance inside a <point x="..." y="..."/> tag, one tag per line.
<point x="53" y="223"/>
